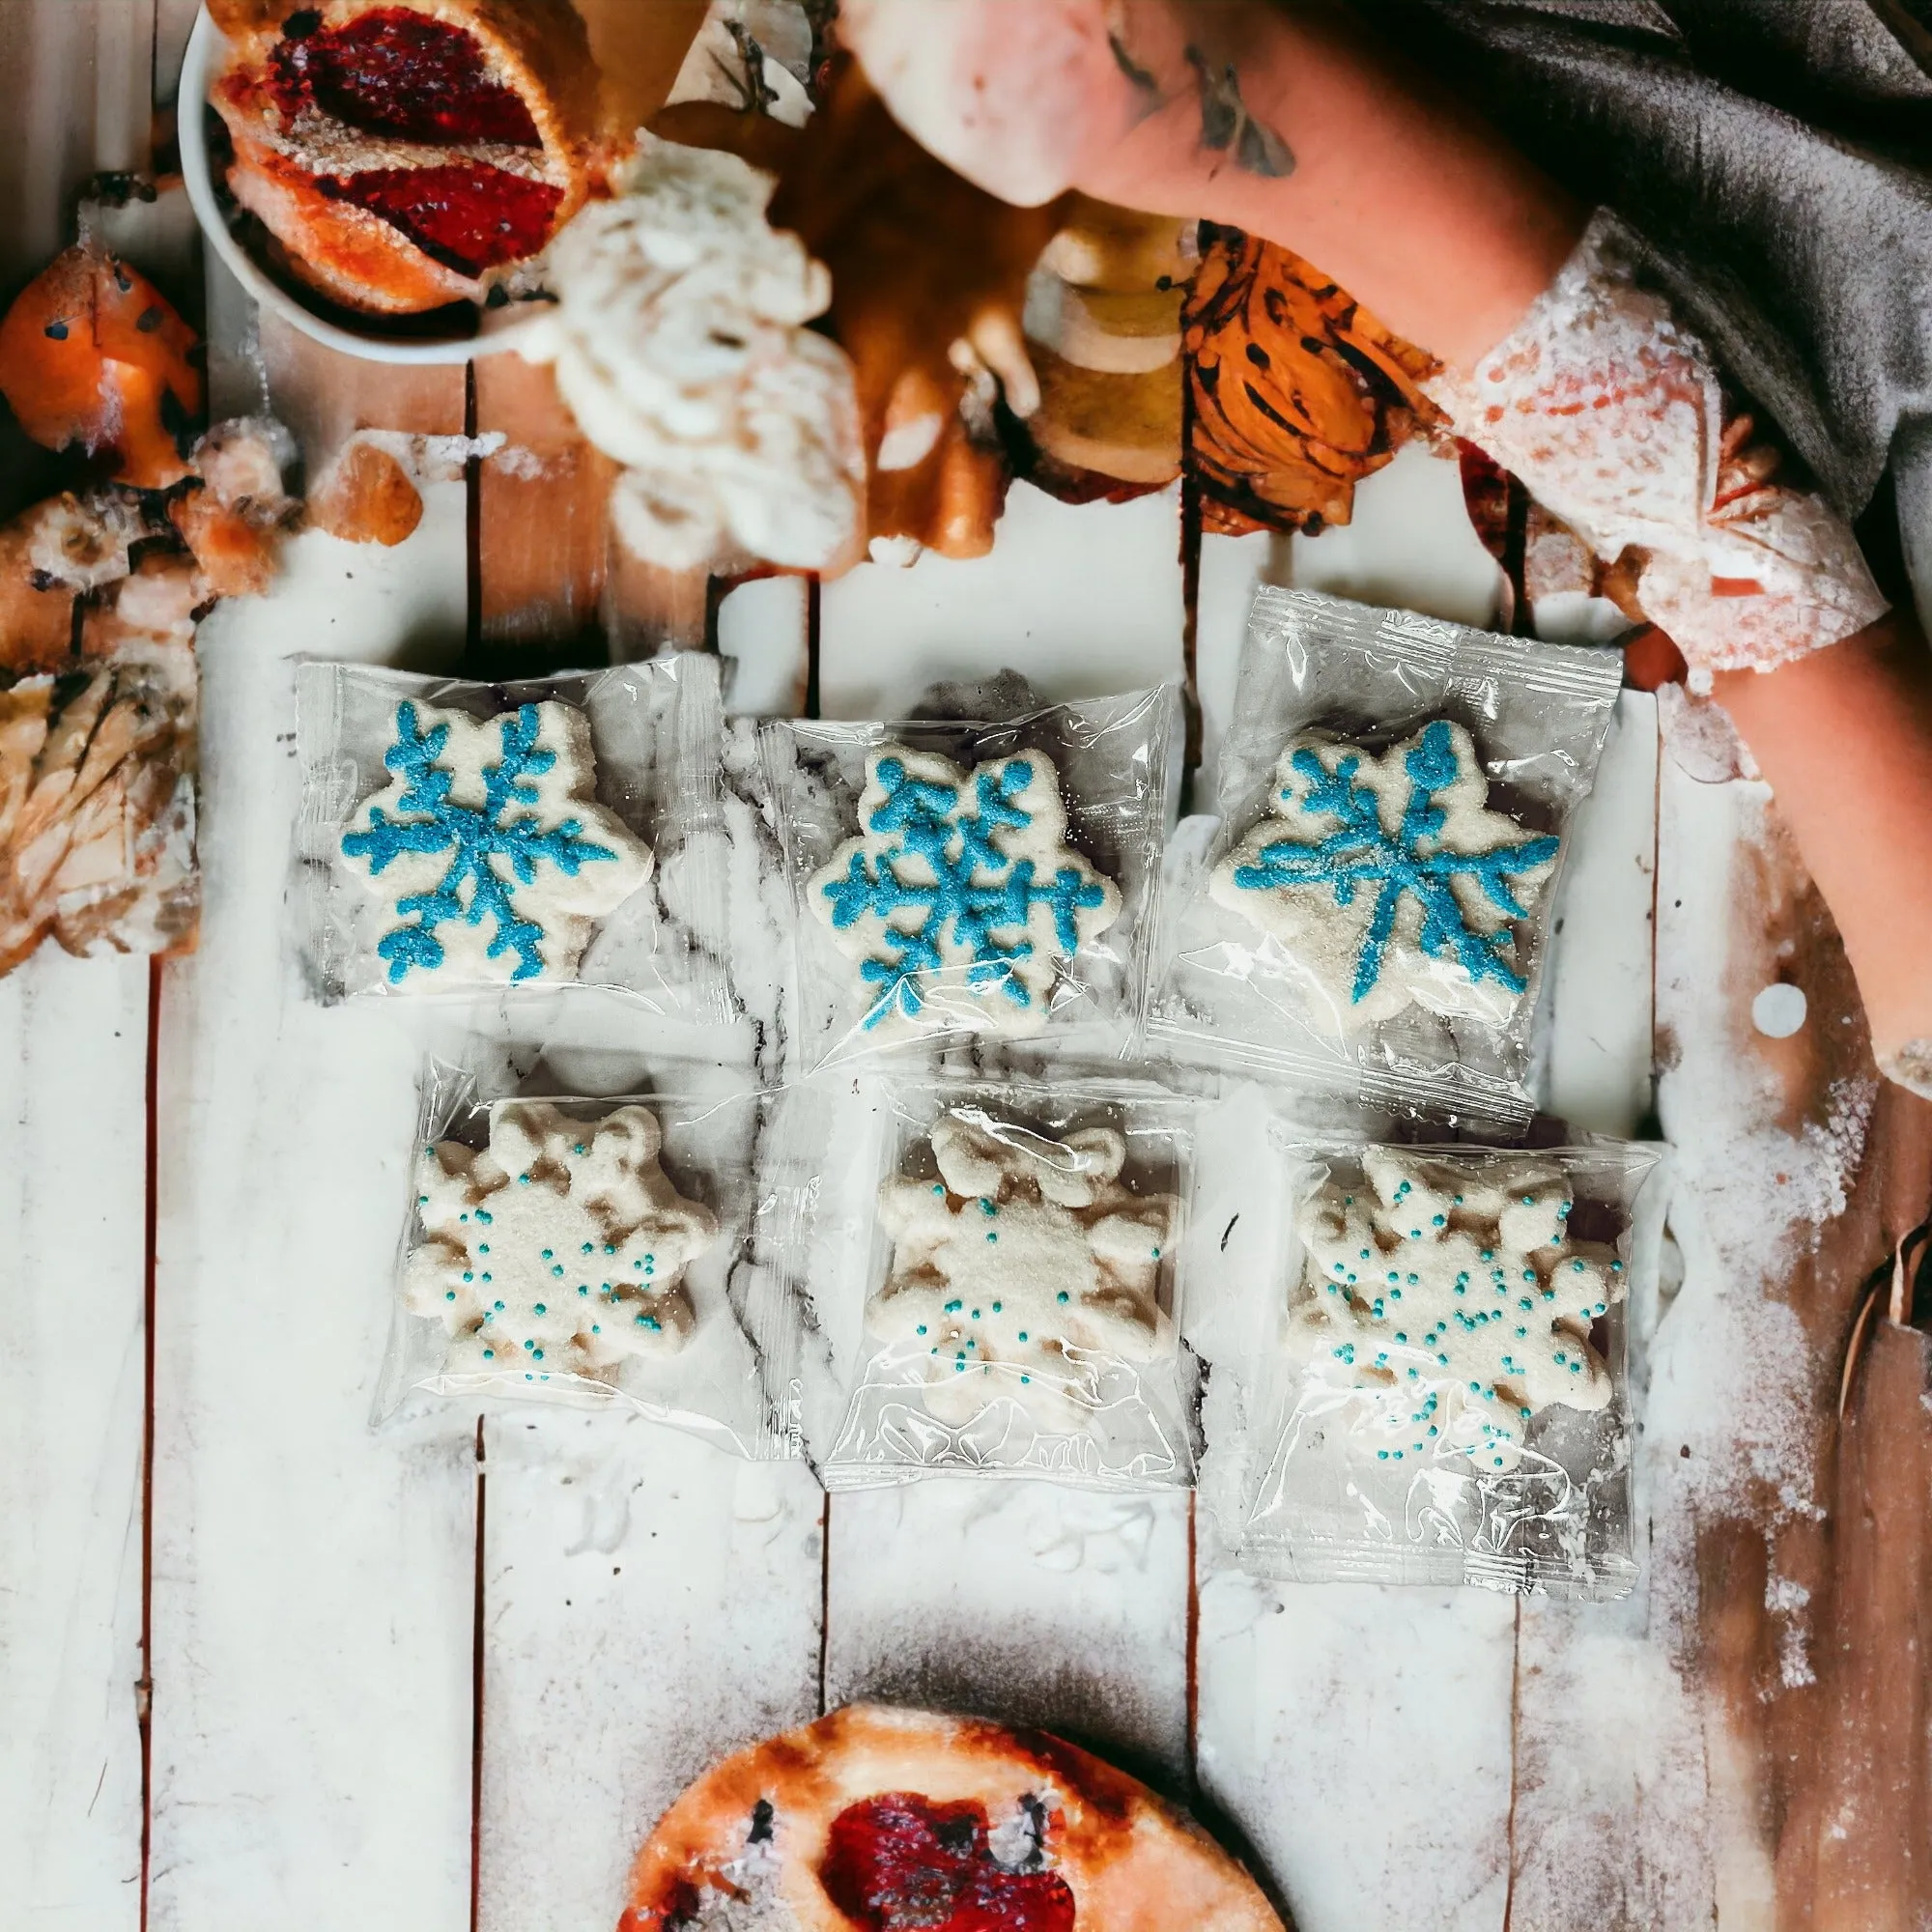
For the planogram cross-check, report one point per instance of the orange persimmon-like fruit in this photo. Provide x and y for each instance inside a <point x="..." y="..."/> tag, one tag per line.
<point x="92" y="354"/>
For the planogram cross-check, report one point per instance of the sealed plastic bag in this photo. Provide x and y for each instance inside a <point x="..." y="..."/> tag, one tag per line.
<point x="1021" y="1308"/>
<point x="958" y="878"/>
<point x="1441" y="1395"/>
<point x="1395" y="795"/>
<point x="457" y="838"/>
<point x="616" y="1250"/>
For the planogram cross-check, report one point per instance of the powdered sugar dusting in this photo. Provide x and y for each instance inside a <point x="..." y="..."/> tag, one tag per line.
<point x="1655" y="1819"/>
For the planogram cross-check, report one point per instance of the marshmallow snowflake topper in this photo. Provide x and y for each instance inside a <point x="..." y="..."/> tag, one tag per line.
<point x="489" y="847"/>
<point x="961" y="885"/>
<point x="1389" y="879"/>
<point x="1023" y="1271"/>
<point x="1453" y="1302"/>
<point x="559" y="1250"/>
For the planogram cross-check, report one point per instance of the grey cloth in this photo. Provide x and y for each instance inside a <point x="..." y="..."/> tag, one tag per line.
<point x="1777" y="157"/>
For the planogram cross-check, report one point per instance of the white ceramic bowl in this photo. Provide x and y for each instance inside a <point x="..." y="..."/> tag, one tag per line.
<point x="206" y="48"/>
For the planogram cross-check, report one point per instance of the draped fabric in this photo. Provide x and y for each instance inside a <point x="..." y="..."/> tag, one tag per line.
<point x="1777" y="157"/>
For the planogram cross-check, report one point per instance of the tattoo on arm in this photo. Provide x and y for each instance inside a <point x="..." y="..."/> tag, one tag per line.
<point x="1131" y="68"/>
<point x="1227" y="126"/>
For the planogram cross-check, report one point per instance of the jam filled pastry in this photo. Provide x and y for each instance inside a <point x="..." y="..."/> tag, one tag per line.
<point x="412" y="154"/>
<point x="879" y="1820"/>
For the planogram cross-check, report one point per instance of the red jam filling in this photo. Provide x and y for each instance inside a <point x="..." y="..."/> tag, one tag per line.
<point x="898" y="1863"/>
<point x="392" y="71"/>
<point x="466" y="216"/>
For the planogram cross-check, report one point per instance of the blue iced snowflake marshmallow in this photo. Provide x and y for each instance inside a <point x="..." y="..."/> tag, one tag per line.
<point x="960" y="898"/>
<point x="1448" y="1300"/>
<point x="487" y="848"/>
<point x="1387" y="879"/>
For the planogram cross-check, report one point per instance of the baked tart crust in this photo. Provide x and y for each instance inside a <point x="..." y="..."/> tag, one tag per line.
<point x="396" y="218"/>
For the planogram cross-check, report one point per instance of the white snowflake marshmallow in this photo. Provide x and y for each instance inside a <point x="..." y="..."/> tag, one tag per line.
<point x="559" y="1250"/>
<point x="1023" y="1271"/>
<point x="1451" y="1300"/>
<point x="488" y="847"/>
<point x="1388" y="880"/>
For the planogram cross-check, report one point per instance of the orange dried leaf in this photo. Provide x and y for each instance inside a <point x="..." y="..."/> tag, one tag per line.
<point x="92" y="354"/>
<point x="1297" y="393"/>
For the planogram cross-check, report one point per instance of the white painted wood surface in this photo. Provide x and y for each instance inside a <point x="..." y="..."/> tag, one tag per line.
<point x="314" y="1583"/>
<point x="649" y="1604"/>
<point x="1084" y="598"/>
<point x="73" y="1040"/>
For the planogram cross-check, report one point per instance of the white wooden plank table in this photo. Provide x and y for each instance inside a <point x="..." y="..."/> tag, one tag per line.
<point x="446" y="1680"/>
